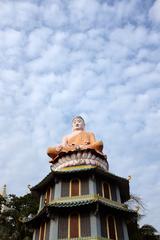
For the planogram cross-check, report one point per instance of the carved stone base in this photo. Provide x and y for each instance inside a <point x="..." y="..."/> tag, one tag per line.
<point x="81" y="157"/>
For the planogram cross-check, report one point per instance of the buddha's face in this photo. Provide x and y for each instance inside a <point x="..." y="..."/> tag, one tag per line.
<point x="78" y="124"/>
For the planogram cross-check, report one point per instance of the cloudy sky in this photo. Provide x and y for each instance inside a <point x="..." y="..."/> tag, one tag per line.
<point x="95" y="58"/>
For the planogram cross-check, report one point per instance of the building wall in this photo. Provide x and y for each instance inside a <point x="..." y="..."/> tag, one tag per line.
<point x="51" y="233"/>
<point x="53" y="229"/>
<point x="95" y="186"/>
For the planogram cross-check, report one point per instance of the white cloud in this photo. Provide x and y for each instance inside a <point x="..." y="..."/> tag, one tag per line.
<point x="20" y="14"/>
<point x="53" y="14"/>
<point x="37" y="42"/>
<point x="10" y="38"/>
<point x="99" y="60"/>
<point x="154" y="11"/>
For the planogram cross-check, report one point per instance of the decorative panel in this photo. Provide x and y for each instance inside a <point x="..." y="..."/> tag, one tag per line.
<point x="84" y="186"/>
<point x="85" y="225"/>
<point x="65" y="188"/>
<point x="103" y="226"/>
<point x="63" y="227"/>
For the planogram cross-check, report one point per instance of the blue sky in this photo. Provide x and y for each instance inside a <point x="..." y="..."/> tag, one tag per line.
<point x="95" y="58"/>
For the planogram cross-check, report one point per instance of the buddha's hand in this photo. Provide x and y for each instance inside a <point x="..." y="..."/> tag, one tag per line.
<point x="77" y="147"/>
<point x="80" y="146"/>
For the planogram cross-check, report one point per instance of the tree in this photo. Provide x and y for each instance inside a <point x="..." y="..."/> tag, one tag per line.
<point x="17" y="208"/>
<point x="148" y="232"/>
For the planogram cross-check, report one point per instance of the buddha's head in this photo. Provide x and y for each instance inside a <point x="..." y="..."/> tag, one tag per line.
<point x="78" y="123"/>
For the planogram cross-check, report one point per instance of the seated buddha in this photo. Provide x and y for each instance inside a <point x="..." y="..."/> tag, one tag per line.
<point x="79" y="139"/>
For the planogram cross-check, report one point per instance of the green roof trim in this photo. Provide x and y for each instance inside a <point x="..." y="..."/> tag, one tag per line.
<point x="121" y="182"/>
<point x="87" y="199"/>
<point x="82" y="168"/>
<point x="67" y="202"/>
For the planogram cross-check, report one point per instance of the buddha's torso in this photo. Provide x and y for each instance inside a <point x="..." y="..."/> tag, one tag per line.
<point x="79" y="138"/>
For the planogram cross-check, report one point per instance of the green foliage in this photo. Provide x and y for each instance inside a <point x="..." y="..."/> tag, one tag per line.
<point x="2" y="202"/>
<point x="146" y="232"/>
<point x="16" y="208"/>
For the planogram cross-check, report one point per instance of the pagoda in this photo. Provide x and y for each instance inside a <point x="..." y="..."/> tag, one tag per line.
<point x="80" y="198"/>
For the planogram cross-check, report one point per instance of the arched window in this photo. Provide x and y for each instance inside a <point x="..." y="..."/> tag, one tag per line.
<point x="75" y="187"/>
<point x="106" y="190"/>
<point x="119" y="226"/>
<point x="74" y="225"/>
<point x="112" y="231"/>
<point x="109" y="227"/>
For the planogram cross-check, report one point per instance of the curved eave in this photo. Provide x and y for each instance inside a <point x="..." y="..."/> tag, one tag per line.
<point x="88" y="199"/>
<point x="80" y="202"/>
<point x="121" y="182"/>
<point x="42" y="184"/>
<point x="40" y="215"/>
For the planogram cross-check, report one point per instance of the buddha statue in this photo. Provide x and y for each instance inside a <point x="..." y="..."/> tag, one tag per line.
<point x="79" y="139"/>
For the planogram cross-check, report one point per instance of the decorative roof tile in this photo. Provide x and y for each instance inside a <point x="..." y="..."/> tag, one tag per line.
<point x="82" y="168"/>
<point x="67" y="202"/>
<point x="87" y="199"/>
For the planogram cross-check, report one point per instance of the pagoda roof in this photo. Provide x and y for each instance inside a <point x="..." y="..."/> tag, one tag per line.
<point x="80" y="201"/>
<point x="87" y="199"/>
<point x="122" y="182"/>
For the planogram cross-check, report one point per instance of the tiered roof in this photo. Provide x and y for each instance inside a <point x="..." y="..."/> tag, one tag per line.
<point x="79" y="170"/>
